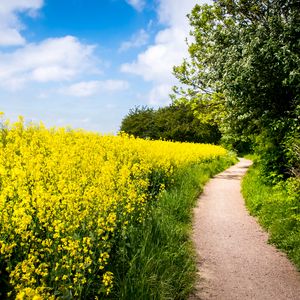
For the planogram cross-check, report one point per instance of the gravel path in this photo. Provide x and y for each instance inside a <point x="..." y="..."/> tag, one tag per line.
<point x="235" y="260"/>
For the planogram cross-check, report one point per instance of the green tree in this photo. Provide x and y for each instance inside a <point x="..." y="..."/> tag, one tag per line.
<point x="177" y="122"/>
<point x="180" y="122"/>
<point x="248" y="51"/>
<point x="139" y="122"/>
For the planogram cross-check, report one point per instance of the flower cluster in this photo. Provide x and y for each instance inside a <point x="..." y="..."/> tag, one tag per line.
<point x="66" y="196"/>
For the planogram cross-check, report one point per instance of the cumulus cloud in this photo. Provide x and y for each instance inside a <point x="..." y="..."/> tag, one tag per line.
<point x="159" y="94"/>
<point x="54" y="59"/>
<point x="90" y="88"/>
<point x="155" y="64"/>
<point x="136" y="4"/>
<point x="10" y="25"/>
<point x="10" y="37"/>
<point x="137" y="40"/>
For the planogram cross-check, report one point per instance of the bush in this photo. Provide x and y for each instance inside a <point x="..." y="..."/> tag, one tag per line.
<point x="278" y="209"/>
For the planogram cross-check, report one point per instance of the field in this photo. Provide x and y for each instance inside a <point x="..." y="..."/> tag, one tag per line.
<point x="67" y="200"/>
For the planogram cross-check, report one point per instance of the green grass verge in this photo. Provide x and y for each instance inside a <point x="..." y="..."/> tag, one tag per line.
<point x="158" y="260"/>
<point x="277" y="208"/>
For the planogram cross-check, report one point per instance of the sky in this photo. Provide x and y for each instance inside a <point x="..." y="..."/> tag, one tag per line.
<point x="85" y="63"/>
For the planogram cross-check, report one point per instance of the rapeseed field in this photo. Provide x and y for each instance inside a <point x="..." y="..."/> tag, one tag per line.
<point x="67" y="197"/>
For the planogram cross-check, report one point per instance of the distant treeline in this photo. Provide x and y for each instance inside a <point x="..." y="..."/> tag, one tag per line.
<point x="176" y="122"/>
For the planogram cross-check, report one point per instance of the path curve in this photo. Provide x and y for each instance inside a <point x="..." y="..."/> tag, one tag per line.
<point x="235" y="260"/>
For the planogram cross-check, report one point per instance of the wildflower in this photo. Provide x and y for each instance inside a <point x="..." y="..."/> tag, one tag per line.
<point x="67" y="196"/>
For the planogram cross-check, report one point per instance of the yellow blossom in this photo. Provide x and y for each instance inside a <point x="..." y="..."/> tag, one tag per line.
<point x="66" y="196"/>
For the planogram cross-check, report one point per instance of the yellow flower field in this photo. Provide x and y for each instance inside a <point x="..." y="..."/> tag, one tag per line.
<point x="67" y="197"/>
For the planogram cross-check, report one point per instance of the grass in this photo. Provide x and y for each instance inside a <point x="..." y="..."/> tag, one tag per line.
<point x="278" y="210"/>
<point x="158" y="260"/>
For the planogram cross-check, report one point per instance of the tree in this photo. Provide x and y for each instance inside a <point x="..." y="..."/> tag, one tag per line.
<point x="179" y="122"/>
<point x="176" y="122"/>
<point x="248" y="51"/>
<point x="139" y="122"/>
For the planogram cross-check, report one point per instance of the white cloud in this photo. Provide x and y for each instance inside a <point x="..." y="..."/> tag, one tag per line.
<point x="19" y="5"/>
<point x="10" y="25"/>
<point x="54" y="59"/>
<point x="136" y="4"/>
<point x="155" y="64"/>
<point x="173" y="12"/>
<point x="11" y="37"/>
<point x="90" y="88"/>
<point x="137" y="40"/>
<point x="159" y="95"/>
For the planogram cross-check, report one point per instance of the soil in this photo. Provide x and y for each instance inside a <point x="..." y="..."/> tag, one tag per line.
<point x="235" y="260"/>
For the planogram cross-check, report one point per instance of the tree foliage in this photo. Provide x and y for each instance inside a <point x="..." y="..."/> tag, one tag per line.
<point x="177" y="122"/>
<point x="248" y="51"/>
<point x="139" y="122"/>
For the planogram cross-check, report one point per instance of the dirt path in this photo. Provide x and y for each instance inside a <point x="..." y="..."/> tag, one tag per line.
<point x="235" y="261"/>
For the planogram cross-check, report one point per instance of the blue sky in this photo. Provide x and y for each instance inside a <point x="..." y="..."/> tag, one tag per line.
<point x="85" y="63"/>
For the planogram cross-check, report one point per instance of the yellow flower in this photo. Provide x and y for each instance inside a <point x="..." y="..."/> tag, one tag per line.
<point x="66" y="196"/>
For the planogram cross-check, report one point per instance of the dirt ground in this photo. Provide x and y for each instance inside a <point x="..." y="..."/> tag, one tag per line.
<point x="235" y="260"/>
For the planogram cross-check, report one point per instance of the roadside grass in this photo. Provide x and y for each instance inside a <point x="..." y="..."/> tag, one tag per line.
<point x="277" y="208"/>
<point x="157" y="260"/>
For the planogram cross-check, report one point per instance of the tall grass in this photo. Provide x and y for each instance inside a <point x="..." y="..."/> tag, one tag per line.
<point x="277" y="208"/>
<point x="158" y="261"/>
